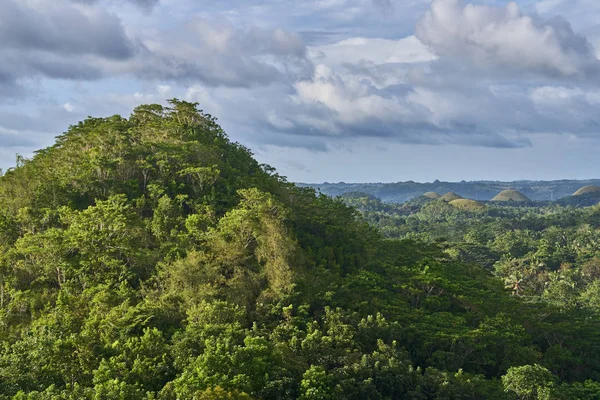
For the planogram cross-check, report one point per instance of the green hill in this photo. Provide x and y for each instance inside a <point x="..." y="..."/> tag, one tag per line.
<point x="150" y="257"/>
<point x="510" y="195"/>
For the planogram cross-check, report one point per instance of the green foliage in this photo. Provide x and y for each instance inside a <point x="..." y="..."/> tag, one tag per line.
<point x="141" y="362"/>
<point x="529" y="382"/>
<point x="152" y="258"/>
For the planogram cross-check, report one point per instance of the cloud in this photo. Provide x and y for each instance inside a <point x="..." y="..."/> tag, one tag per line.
<point x="83" y="42"/>
<point x="569" y="109"/>
<point x="11" y="139"/>
<point x="48" y="118"/>
<point x="8" y="82"/>
<point x="61" y="29"/>
<point x="504" y="40"/>
<point x="391" y="94"/>
<point x="384" y="5"/>
<point x="57" y="40"/>
<point x="143" y="4"/>
<point x="375" y="50"/>
<point x="337" y="107"/>
<point x="377" y="89"/>
<point x="399" y="91"/>
<point x="475" y="75"/>
<point x="216" y="53"/>
<point x="546" y="6"/>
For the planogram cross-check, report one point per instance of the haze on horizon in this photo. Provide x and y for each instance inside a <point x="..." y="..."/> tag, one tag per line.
<point x="323" y="90"/>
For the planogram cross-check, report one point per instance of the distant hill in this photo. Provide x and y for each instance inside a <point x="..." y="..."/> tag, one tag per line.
<point x="358" y="195"/>
<point x="581" y="200"/>
<point x="587" y="189"/>
<point x="431" y="195"/>
<point x="451" y="196"/>
<point x="467" y="205"/>
<point x="401" y="192"/>
<point x="510" y="195"/>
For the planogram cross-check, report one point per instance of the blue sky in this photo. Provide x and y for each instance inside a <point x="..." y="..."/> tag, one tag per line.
<point x="323" y="90"/>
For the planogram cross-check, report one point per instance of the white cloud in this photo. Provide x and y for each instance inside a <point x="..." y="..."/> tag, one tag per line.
<point x="163" y="90"/>
<point x="505" y="40"/>
<point x="83" y="41"/>
<point x="216" y="53"/>
<point x="69" y="107"/>
<point x="377" y="51"/>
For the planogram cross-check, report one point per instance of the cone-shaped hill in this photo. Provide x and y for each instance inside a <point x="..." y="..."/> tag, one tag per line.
<point x="467" y="205"/>
<point x="587" y="189"/>
<point x="451" y="196"/>
<point x="431" y="195"/>
<point x="510" y="195"/>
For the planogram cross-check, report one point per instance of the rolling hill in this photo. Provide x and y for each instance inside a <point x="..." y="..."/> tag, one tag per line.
<point x="450" y="196"/>
<point x="510" y="195"/>
<point x="400" y="192"/>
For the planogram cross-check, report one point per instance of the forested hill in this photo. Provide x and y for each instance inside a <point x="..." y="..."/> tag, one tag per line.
<point x="478" y="190"/>
<point x="150" y="257"/>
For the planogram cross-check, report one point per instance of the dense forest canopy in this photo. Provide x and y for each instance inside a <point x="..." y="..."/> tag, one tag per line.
<point x="153" y="258"/>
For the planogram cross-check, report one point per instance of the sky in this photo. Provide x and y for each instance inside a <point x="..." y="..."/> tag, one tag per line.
<point x="323" y="90"/>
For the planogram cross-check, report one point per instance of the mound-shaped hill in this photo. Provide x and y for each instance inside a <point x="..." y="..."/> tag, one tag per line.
<point x="581" y="198"/>
<point x="431" y="195"/>
<point x="467" y="205"/>
<point x="586" y="190"/>
<point x="451" y="196"/>
<point x="510" y="195"/>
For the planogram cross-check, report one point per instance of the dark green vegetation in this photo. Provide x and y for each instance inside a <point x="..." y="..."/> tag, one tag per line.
<point x="545" y="254"/>
<point x="152" y="258"/>
<point x="477" y="190"/>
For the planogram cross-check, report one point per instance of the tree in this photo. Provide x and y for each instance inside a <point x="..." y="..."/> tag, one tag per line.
<point x="529" y="382"/>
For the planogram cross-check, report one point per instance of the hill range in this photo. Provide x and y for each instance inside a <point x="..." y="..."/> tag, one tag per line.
<point x="400" y="192"/>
